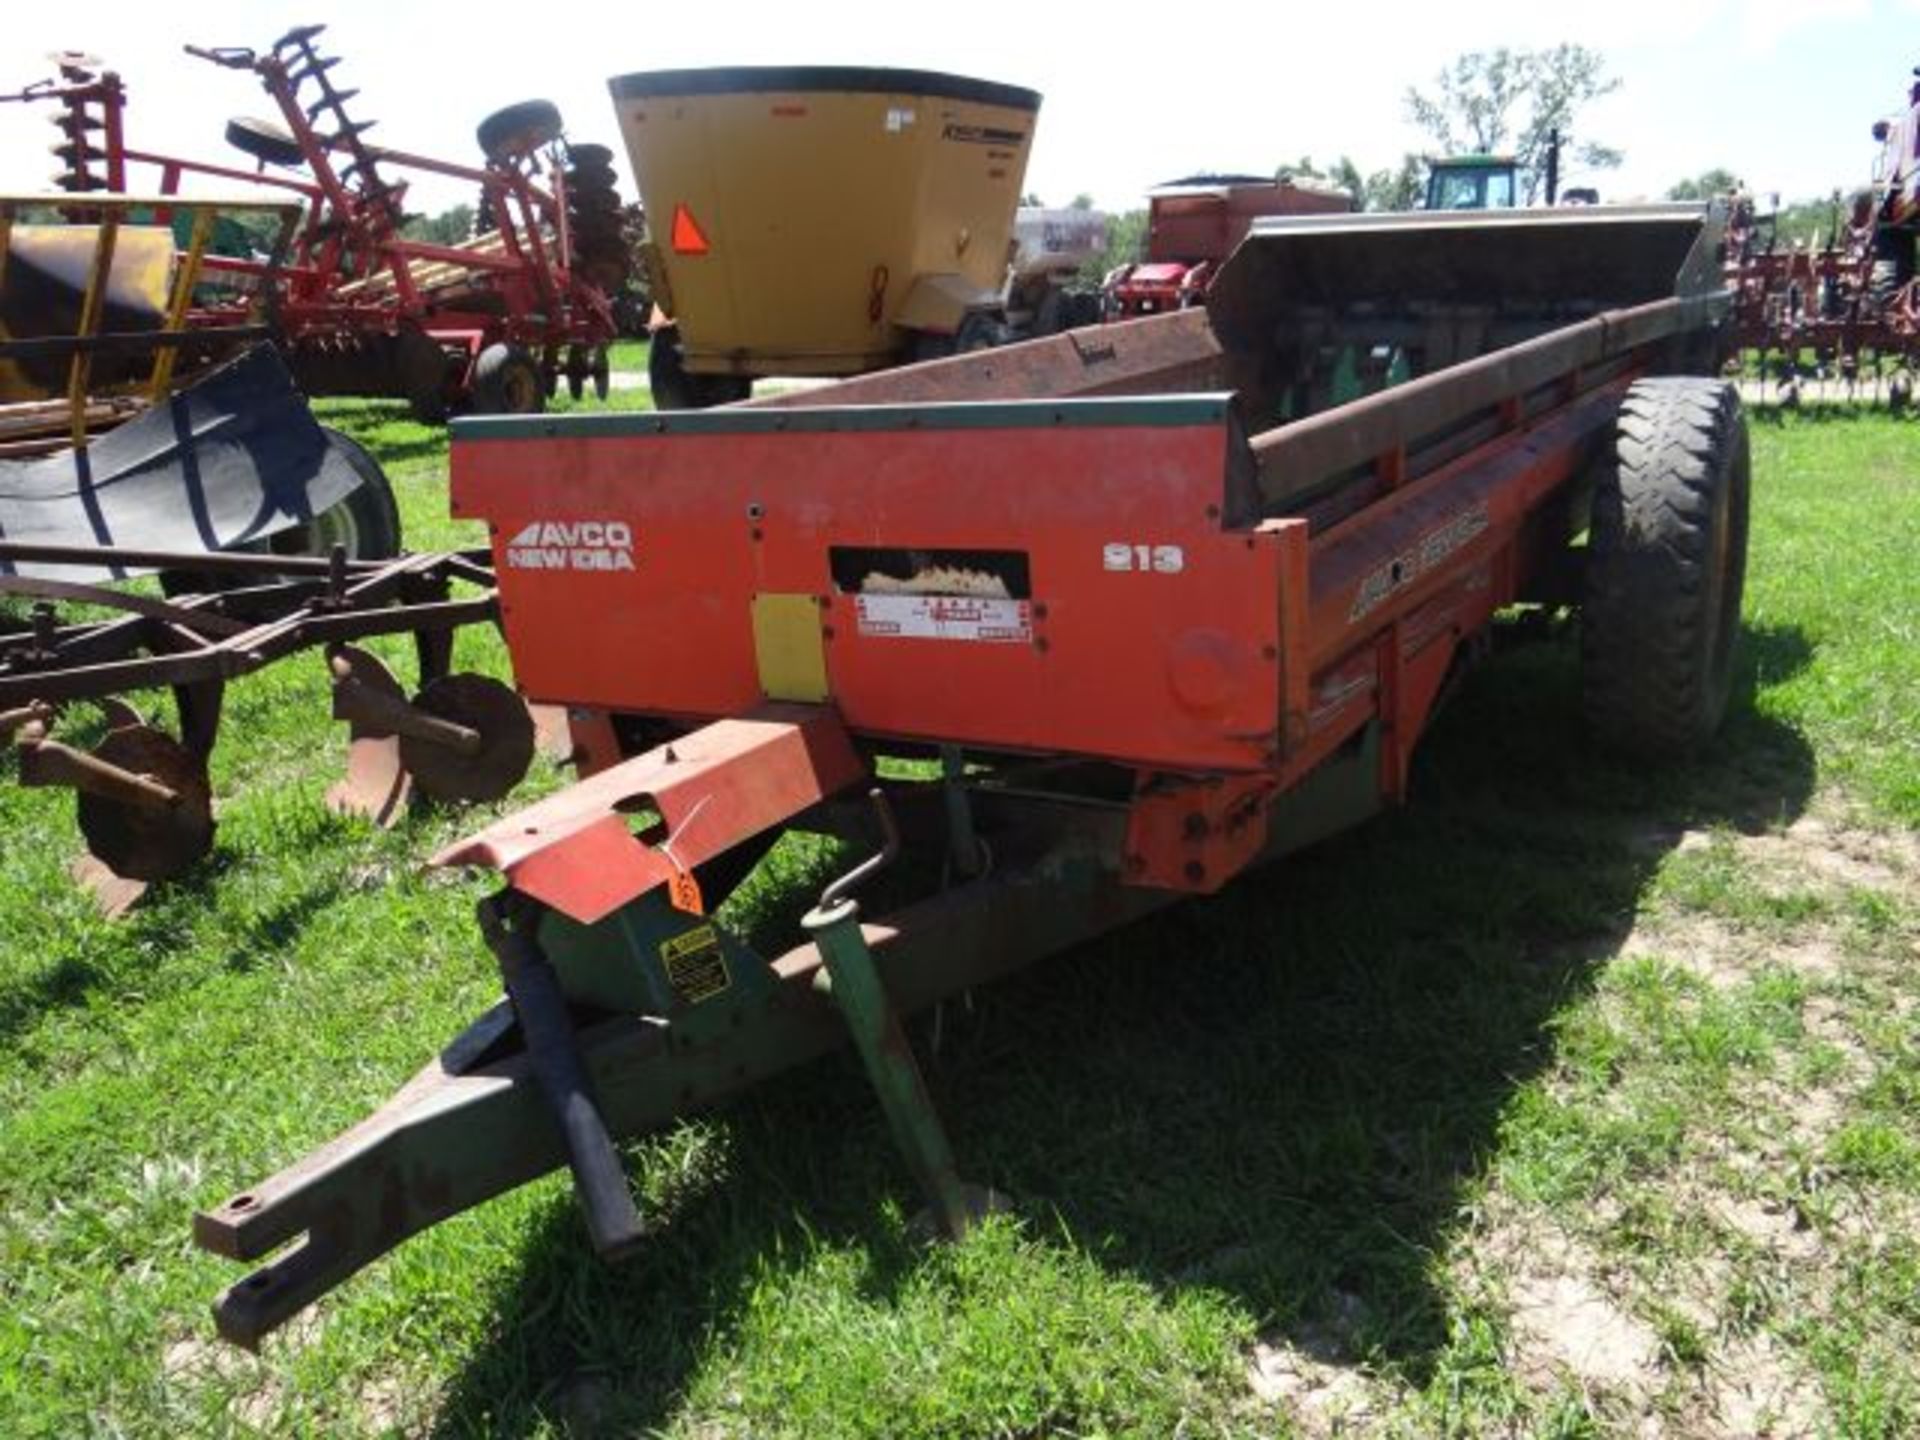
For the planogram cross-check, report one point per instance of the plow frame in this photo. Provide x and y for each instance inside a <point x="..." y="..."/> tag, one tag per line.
<point x="144" y="796"/>
<point x="212" y="638"/>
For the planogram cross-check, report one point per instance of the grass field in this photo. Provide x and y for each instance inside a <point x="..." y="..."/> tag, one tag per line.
<point x="1572" y="1100"/>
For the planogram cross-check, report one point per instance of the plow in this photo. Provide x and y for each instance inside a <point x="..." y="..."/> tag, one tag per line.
<point x="1048" y="637"/>
<point x="143" y="794"/>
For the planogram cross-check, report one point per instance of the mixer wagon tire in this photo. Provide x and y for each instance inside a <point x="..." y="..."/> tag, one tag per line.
<point x="1666" y="561"/>
<point x="675" y="387"/>
<point x="506" y="381"/>
<point x="519" y="129"/>
<point x="264" y="140"/>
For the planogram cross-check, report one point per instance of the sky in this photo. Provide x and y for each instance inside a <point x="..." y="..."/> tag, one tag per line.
<point x="1782" y="92"/>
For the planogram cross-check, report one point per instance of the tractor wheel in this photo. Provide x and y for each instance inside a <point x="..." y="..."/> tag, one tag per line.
<point x="506" y="381"/>
<point x="1666" y="560"/>
<point x="519" y="129"/>
<point x="1893" y="267"/>
<point x="264" y="141"/>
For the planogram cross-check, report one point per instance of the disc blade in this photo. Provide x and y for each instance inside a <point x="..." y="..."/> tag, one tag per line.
<point x="150" y="842"/>
<point x="506" y="740"/>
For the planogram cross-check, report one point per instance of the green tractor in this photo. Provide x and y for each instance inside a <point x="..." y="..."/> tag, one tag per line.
<point x="1473" y="182"/>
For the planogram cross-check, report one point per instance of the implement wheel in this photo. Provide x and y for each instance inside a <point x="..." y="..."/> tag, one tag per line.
<point x="265" y="141"/>
<point x="1666" y="561"/>
<point x="506" y="381"/>
<point x="367" y="522"/>
<point x="519" y="130"/>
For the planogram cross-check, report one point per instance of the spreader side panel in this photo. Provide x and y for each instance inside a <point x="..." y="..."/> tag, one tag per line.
<point x="1049" y="577"/>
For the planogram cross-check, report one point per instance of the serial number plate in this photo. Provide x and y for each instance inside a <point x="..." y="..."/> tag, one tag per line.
<point x="946" y="617"/>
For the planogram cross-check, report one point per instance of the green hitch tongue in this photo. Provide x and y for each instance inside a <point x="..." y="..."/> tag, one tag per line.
<point x="508" y="921"/>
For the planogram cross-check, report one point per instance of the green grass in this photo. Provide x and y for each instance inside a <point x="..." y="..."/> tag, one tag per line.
<point x="1348" y="1108"/>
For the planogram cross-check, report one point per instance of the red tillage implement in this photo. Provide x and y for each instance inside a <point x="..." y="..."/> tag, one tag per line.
<point x="1151" y="639"/>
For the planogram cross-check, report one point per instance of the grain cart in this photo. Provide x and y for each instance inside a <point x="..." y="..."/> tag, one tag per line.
<point x="1193" y="224"/>
<point x="1141" y="637"/>
<point x="820" y="220"/>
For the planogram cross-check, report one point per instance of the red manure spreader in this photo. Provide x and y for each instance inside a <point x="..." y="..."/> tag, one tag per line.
<point x="1120" y="633"/>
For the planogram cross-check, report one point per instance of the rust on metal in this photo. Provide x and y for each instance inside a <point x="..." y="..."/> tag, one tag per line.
<point x="375" y="785"/>
<point x="502" y="742"/>
<point x="145" y="804"/>
<point x="1176" y="352"/>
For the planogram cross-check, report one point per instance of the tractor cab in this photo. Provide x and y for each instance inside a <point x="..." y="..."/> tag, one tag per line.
<point x="1473" y="182"/>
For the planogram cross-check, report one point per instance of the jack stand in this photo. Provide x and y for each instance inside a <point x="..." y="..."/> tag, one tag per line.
<point x="857" y="989"/>
<point x="966" y="851"/>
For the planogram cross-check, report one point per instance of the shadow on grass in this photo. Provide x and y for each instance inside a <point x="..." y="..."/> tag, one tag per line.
<point x="1277" y="1094"/>
<point x="1773" y="415"/>
<point x="152" y="926"/>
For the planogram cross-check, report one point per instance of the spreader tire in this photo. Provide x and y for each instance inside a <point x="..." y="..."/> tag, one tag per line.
<point x="506" y="381"/>
<point x="1666" y="560"/>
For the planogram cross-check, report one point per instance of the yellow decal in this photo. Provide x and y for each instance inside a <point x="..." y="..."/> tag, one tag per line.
<point x="695" y="965"/>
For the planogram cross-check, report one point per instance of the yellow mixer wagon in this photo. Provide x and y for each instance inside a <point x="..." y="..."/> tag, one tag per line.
<point x="821" y="220"/>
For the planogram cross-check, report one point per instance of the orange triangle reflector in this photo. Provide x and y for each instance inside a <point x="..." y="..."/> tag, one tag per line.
<point x="688" y="237"/>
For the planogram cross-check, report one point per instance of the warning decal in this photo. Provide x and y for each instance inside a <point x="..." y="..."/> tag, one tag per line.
<point x="946" y="617"/>
<point x="695" y="966"/>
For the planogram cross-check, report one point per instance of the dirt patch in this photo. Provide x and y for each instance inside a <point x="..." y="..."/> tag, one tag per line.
<point x="391" y="1406"/>
<point x="1754" y="1391"/>
<point x="1726" y="957"/>
<point x="1566" y="1322"/>
<point x="1320" y="1393"/>
<point x="258" y="1396"/>
<point x="1775" y="1229"/>
<point x="1311" y="1374"/>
